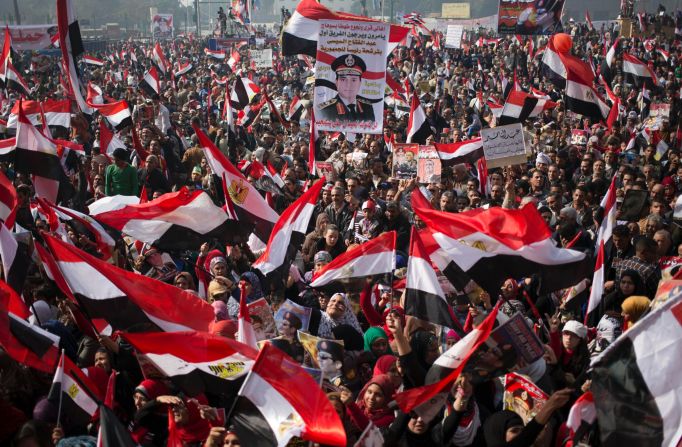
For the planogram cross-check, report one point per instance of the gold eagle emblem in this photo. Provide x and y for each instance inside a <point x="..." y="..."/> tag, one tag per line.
<point x="238" y="191"/>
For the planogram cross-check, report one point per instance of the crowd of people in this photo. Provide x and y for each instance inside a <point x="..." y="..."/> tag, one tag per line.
<point x="385" y="351"/>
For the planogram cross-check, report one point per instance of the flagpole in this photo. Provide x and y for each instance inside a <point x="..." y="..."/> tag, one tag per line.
<point x="61" y="394"/>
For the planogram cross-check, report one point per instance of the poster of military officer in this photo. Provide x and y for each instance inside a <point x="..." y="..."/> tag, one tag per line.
<point x="350" y="76"/>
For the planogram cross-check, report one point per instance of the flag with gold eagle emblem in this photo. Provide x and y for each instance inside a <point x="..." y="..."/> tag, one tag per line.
<point x="79" y="395"/>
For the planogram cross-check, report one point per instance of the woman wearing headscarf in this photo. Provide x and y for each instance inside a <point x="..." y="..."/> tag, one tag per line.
<point x="506" y="429"/>
<point x="630" y="284"/>
<point x="252" y="292"/>
<point x="309" y="245"/>
<point x="634" y="308"/>
<point x="376" y="342"/>
<point x="372" y="404"/>
<point x="149" y="426"/>
<point x="184" y="281"/>
<point x="388" y="364"/>
<point x="570" y="348"/>
<point x="374" y="318"/>
<point x="338" y="312"/>
<point x="416" y="354"/>
<point x="186" y="427"/>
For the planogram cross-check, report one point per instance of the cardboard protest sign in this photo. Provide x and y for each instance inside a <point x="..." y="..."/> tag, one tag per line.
<point x="261" y="58"/>
<point x="504" y="145"/>
<point x="350" y="76"/>
<point x="453" y="36"/>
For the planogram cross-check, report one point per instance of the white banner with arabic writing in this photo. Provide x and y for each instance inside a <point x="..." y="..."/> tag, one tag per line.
<point x="350" y="76"/>
<point x="504" y="145"/>
<point x="30" y="37"/>
<point x="261" y="58"/>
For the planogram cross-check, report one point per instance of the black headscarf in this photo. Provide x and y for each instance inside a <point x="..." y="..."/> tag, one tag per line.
<point x="496" y="426"/>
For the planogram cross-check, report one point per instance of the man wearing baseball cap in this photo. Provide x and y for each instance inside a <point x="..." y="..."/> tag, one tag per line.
<point x="347" y="105"/>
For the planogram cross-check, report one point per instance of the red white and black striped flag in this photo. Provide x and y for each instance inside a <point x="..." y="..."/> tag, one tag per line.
<point x="8" y="201"/>
<point x="374" y="257"/>
<point x="424" y="297"/>
<point x="468" y="151"/>
<point x="117" y="113"/>
<point x="280" y="400"/>
<point x="491" y="245"/>
<point x="15" y="259"/>
<point x="91" y="60"/>
<point x="79" y="396"/>
<point x="127" y="300"/>
<point x="159" y="59"/>
<point x="71" y="47"/>
<point x="150" y="83"/>
<point x="196" y="361"/>
<point x="637" y="72"/>
<point x="519" y="106"/>
<point x="57" y="113"/>
<point x="418" y="128"/>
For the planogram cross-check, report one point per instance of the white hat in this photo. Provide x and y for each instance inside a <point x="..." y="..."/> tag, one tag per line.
<point x="575" y="327"/>
<point x="543" y="158"/>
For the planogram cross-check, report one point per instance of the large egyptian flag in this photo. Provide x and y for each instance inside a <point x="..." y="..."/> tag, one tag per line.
<point x="195" y="361"/>
<point x="249" y="207"/>
<point x="14" y="81"/>
<point x="57" y="112"/>
<point x="177" y="221"/>
<point x="608" y="203"/>
<point x="243" y="92"/>
<point x="15" y="259"/>
<point x="491" y="245"/>
<point x="32" y="111"/>
<point x="159" y="59"/>
<point x="636" y="381"/>
<point x="8" y="201"/>
<point x="427" y="400"/>
<point x="418" y="128"/>
<point x="280" y="400"/>
<point x="79" y="396"/>
<point x="71" y="46"/>
<point x="575" y="77"/>
<point x="374" y="257"/>
<point x="117" y="113"/>
<point x="127" y="300"/>
<point x="38" y="155"/>
<point x="519" y="106"/>
<point x="301" y="32"/>
<point x="637" y="72"/>
<point x="150" y="83"/>
<point x="289" y="233"/>
<point x="469" y="151"/>
<point x="424" y="297"/>
<point x="26" y="343"/>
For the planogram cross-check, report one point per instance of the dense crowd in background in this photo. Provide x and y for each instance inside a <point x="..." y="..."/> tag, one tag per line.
<point x="385" y="351"/>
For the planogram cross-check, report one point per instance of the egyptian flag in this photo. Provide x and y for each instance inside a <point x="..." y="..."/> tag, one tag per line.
<point x="111" y="430"/>
<point x="32" y="110"/>
<point x="243" y="92"/>
<point x="78" y="395"/>
<point x="150" y="83"/>
<point x="608" y="70"/>
<point x="108" y="141"/>
<point x="280" y="400"/>
<point x="582" y="417"/>
<point x="71" y="47"/>
<point x="26" y="343"/>
<point x="8" y="201"/>
<point x="491" y="245"/>
<point x="195" y="361"/>
<point x="14" y="81"/>
<point x="215" y="54"/>
<point x="588" y="20"/>
<point x="95" y="95"/>
<point x="295" y="109"/>
<point x="38" y="155"/>
<point x="91" y="60"/>
<point x="552" y="65"/>
<point x="180" y="220"/>
<point x="427" y="400"/>
<point x="374" y="257"/>
<point x="57" y="113"/>
<point x="636" y="381"/>
<point x="580" y="96"/>
<point x="521" y="106"/>
<point x="664" y="54"/>
<point x="159" y="59"/>
<point x="117" y="113"/>
<point x="301" y="32"/>
<point x="15" y="259"/>
<point x="289" y="233"/>
<point x="495" y="108"/>
<point x="464" y="152"/>
<point x="183" y="69"/>
<point x="5" y="55"/>
<point x="637" y="72"/>
<point x="127" y="300"/>
<point x="250" y="208"/>
<point x="424" y="298"/>
<point x="234" y="59"/>
<point x="245" y="332"/>
<point x="603" y="237"/>
<point x="312" y="144"/>
<point x="418" y="129"/>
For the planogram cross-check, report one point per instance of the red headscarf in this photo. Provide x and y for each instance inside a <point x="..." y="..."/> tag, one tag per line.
<point x="384" y="416"/>
<point x="400" y="311"/>
<point x="383" y="365"/>
<point x="195" y="430"/>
